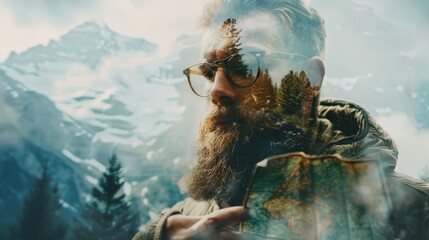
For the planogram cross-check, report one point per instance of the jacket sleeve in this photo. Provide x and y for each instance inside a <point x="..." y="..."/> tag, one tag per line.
<point x="378" y="145"/>
<point x="154" y="231"/>
<point x="410" y="206"/>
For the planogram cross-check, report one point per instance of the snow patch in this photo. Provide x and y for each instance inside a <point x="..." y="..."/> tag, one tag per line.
<point x="109" y="135"/>
<point x="151" y="142"/>
<point x="127" y="188"/>
<point x="81" y="133"/>
<point x="71" y="156"/>
<point x="149" y="154"/>
<point x="95" y="163"/>
<point x="160" y="150"/>
<point x="91" y="180"/>
<point x="90" y="162"/>
<point x="144" y="191"/>
<point x="87" y="197"/>
<point x="176" y="160"/>
<point x="14" y="94"/>
<point x="67" y="205"/>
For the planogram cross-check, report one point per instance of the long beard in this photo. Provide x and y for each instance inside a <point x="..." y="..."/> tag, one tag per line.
<point x="226" y="157"/>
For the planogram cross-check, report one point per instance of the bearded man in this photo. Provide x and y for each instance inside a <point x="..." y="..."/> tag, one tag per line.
<point x="262" y="69"/>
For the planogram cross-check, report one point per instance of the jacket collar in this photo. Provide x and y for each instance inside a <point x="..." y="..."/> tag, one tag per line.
<point x="349" y="130"/>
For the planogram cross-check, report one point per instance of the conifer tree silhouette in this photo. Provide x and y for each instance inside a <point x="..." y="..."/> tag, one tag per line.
<point x="108" y="216"/>
<point x="39" y="219"/>
<point x="297" y="102"/>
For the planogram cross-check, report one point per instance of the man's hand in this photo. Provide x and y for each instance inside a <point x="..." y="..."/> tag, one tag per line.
<point x="206" y="227"/>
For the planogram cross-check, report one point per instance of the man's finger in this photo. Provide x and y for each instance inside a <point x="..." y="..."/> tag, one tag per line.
<point x="177" y="223"/>
<point x="225" y="217"/>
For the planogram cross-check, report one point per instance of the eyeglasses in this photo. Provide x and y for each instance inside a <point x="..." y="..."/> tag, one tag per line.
<point x="241" y="69"/>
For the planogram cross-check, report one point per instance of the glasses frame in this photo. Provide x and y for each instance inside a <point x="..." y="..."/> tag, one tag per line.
<point x="258" y="54"/>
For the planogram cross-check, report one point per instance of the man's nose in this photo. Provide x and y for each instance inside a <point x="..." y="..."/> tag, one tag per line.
<point x="222" y="91"/>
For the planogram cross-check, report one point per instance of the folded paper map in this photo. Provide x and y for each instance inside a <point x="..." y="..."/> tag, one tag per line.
<point x="295" y="196"/>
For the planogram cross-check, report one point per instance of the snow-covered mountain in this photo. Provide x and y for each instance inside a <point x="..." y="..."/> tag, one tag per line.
<point x="91" y="93"/>
<point x="102" y="78"/>
<point x="87" y="43"/>
<point x="116" y="86"/>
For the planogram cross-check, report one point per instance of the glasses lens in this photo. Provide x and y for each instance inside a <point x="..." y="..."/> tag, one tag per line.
<point x="201" y="78"/>
<point x="243" y="69"/>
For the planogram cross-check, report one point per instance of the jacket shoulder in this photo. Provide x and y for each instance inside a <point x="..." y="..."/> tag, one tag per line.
<point x="191" y="207"/>
<point x="355" y="134"/>
<point x="416" y="186"/>
<point x="410" y="206"/>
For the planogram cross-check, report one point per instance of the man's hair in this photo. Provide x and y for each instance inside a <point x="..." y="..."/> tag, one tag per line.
<point x="305" y="24"/>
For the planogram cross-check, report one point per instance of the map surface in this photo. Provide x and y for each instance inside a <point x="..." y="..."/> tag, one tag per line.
<point x="295" y="196"/>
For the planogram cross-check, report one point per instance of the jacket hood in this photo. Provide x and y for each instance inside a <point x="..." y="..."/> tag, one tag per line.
<point x="347" y="129"/>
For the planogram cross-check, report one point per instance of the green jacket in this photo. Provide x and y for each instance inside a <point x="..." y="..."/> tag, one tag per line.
<point x="347" y="129"/>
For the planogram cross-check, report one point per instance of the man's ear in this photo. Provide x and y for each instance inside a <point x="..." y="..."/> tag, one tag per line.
<point x="315" y="70"/>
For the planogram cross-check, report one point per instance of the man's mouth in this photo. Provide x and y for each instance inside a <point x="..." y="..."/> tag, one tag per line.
<point x="223" y="123"/>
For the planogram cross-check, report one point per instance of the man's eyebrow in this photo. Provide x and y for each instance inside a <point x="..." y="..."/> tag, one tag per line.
<point x="213" y="56"/>
<point x="210" y="56"/>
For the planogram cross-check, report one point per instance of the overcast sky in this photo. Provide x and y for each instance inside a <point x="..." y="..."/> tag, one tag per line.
<point x="24" y="24"/>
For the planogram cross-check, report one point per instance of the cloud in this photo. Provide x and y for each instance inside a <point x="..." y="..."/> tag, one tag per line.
<point x="17" y="36"/>
<point x="158" y="21"/>
<point x="400" y="12"/>
<point x="410" y="19"/>
<point x="56" y="12"/>
<point x="346" y="83"/>
<point x="411" y="140"/>
<point x="36" y="22"/>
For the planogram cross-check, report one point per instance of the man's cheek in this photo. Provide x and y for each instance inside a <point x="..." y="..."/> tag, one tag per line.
<point x="264" y="91"/>
<point x="258" y="98"/>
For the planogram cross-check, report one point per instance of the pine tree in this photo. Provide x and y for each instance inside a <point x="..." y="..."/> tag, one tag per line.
<point x="291" y="94"/>
<point x="297" y="100"/>
<point x="39" y="219"/>
<point x="108" y="216"/>
<point x="264" y="91"/>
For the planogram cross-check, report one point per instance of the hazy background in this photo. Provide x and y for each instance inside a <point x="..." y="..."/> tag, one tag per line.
<point x="84" y="79"/>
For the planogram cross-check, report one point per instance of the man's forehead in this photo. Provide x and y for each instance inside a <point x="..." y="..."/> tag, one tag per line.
<point x="256" y="31"/>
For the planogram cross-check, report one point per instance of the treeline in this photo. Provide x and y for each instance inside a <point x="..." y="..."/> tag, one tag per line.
<point x="108" y="216"/>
